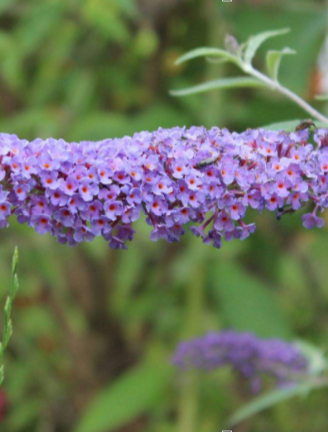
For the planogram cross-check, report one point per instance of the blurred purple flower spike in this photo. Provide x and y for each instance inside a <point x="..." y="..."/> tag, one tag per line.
<point x="253" y="358"/>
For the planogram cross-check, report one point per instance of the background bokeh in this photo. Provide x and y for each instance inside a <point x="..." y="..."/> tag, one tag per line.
<point x="94" y="329"/>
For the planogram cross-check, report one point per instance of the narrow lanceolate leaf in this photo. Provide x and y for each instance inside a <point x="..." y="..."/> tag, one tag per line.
<point x="289" y="126"/>
<point x="273" y="60"/>
<point x="257" y="40"/>
<point x="270" y="399"/>
<point x="219" y="84"/>
<point x="215" y="60"/>
<point x="322" y="97"/>
<point x="208" y="52"/>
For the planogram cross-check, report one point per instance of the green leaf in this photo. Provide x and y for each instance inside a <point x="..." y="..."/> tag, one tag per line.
<point x="270" y="399"/>
<point x="15" y="285"/>
<point x="207" y="52"/>
<point x="287" y="126"/>
<point x="218" y="84"/>
<point x="315" y="356"/>
<point x="257" y="40"/>
<point x="246" y="302"/>
<point x="290" y="126"/>
<point x="15" y="261"/>
<point x="273" y="60"/>
<point x="215" y="60"/>
<point x="129" y="397"/>
<point x="322" y="97"/>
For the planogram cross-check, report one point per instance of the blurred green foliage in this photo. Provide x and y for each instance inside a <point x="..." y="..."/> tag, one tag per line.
<point x="88" y="321"/>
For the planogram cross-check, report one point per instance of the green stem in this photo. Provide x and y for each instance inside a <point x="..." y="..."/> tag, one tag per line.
<point x="275" y="85"/>
<point x="7" y="330"/>
<point x="213" y="113"/>
<point x="194" y="299"/>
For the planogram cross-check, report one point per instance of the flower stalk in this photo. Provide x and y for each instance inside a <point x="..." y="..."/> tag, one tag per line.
<point x="275" y="85"/>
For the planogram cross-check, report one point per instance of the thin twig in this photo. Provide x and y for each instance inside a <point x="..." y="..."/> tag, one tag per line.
<point x="275" y="85"/>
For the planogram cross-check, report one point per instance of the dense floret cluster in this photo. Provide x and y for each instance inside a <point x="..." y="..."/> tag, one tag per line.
<point x="77" y="191"/>
<point x="252" y="357"/>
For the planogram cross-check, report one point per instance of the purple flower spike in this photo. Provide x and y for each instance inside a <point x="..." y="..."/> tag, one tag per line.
<point x="76" y="191"/>
<point x="249" y="356"/>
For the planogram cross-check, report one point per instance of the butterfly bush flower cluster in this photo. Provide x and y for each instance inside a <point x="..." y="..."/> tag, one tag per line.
<point x="251" y="357"/>
<point x="207" y="178"/>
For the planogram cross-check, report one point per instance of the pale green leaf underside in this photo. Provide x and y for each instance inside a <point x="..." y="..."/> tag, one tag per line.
<point x="215" y="60"/>
<point x="316" y="357"/>
<point x="323" y="97"/>
<point x="273" y="61"/>
<point x="207" y="52"/>
<point x="268" y="400"/>
<point x="218" y="84"/>
<point x="256" y="41"/>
